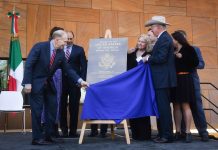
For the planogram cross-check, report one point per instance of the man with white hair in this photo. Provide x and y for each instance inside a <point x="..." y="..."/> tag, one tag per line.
<point x="163" y="72"/>
<point x="43" y="60"/>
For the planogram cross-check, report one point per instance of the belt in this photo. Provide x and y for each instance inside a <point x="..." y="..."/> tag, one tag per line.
<point x="182" y="73"/>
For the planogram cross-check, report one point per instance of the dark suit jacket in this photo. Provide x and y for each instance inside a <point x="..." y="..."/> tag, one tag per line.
<point x="162" y="62"/>
<point x="37" y="70"/>
<point x="200" y="66"/>
<point x="77" y="61"/>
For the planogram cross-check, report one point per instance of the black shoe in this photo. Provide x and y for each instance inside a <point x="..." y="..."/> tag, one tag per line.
<point x="73" y="135"/>
<point x="93" y="134"/>
<point x="204" y="137"/>
<point x="162" y="140"/>
<point x="64" y="134"/>
<point x="177" y="136"/>
<point x="188" y="138"/>
<point x="183" y="135"/>
<point x="40" y="142"/>
<point x="103" y="135"/>
<point x="156" y="138"/>
<point x="53" y="140"/>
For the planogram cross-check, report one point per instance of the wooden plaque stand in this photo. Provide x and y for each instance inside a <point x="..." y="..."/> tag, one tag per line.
<point x="111" y="122"/>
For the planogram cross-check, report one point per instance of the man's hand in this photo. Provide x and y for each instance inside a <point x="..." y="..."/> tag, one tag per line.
<point x="27" y="88"/>
<point x="84" y="84"/>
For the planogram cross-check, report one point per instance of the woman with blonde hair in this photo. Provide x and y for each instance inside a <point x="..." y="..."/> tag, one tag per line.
<point x="140" y="127"/>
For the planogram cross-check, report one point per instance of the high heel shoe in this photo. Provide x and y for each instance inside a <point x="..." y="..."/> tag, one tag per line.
<point x="177" y="136"/>
<point x="188" y="138"/>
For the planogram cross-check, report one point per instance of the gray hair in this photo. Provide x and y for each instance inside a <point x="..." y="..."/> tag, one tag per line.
<point x="59" y="33"/>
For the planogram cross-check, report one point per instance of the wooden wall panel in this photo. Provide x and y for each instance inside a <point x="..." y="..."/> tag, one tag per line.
<point x="109" y="20"/>
<point x="128" y="5"/>
<point x="102" y="4"/>
<point x="39" y="2"/>
<point x="203" y="32"/>
<point x="182" y="23"/>
<point x="213" y="97"/>
<point x="164" y="10"/>
<point x="157" y="2"/>
<point x="206" y="104"/>
<point x="5" y="22"/>
<point x="45" y="2"/>
<point x="129" y="24"/>
<point x="178" y="3"/>
<point x="74" y="14"/>
<point x="210" y="56"/>
<point x="132" y="41"/>
<point x="5" y="43"/>
<point x="203" y="8"/>
<point x="217" y="28"/>
<point x="79" y="3"/>
<point x="38" y="24"/>
<point x="67" y="25"/>
<point x="85" y="32"/>
<point x="209" y="75"/>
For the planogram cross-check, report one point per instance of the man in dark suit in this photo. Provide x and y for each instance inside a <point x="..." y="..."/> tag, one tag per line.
<point x="163" y="72"/>
<point x="76" y="59"/>
<point x="43" y="60"/>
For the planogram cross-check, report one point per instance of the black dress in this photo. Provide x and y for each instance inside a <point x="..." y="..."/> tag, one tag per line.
<point x="140" y="127"/>
<point x="184" y="92"/>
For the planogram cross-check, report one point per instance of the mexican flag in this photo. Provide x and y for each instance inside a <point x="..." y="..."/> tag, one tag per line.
<point x="15" y="58"/>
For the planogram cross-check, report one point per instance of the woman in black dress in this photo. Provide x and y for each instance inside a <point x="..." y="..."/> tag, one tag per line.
<point x="140" y="127"/>
<point x="183" y="95"/>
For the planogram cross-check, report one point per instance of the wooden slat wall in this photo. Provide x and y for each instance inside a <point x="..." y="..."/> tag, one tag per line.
<point x="90" y="18"/>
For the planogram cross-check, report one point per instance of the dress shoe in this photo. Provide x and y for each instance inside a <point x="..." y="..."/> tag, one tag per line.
<point x="53" y="140"/>
<point x="204" y="137"/>
<point x="156" y="138"/>
<point x="183" y="135"/>
<point x="73" y="135"/>
<point x="103" y="135"/>
<point x="64" y="134"/>
<point x="188" y="138"/>
<point x="177" y="136"/>
<point x="162" y="140"/>
<point x="40" y="142"/>
<point x="93" y="134"/>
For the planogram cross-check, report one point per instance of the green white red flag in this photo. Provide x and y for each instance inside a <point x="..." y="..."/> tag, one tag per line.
<point x="15" y="57"/>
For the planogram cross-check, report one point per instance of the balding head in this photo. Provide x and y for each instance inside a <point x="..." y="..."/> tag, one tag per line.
<point x="60" y="39"/>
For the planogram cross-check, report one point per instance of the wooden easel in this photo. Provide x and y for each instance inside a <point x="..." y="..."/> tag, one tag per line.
<point x="111" y="122"/>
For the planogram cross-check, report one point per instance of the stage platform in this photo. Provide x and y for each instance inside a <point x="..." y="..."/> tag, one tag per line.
<point x="19" y="141"/>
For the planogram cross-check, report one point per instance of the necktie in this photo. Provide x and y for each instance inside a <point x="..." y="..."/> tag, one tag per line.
<point x="67" y="54"/>
<point x="52" y="57"/>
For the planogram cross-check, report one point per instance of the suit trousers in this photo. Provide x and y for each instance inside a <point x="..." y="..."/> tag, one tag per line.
<point x="141" y="128"/>
<point x="74" y="99"/>
<point x="164" y="122"/>
<point x="46" y="98"/>
<point x="103" y="127"/>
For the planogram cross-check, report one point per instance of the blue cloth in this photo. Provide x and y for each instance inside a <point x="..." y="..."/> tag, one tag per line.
<point x="57" y="79"/>
<point x="128" y="95"/>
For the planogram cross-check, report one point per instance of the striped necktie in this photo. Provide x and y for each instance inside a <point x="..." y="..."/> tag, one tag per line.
<point x="52" y="58"/>
<point x="67" y="54"/>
